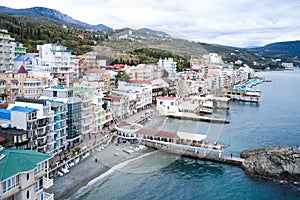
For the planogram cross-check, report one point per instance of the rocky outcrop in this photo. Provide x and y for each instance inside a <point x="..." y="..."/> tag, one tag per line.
<point x="275" y="162"/>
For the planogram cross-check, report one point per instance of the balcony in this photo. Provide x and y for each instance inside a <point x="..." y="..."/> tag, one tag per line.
<point x="47" y="182"/>
<point x="48" y="196"/>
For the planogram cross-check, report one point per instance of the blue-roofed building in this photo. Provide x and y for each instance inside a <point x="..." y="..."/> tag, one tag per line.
<point x="5" y="114"/>
<point x="25" y="119"/>
<point x="23" y="109"/>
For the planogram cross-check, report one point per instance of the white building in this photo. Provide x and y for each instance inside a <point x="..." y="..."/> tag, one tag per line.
<point x="6" y="51"/>
<point x="167" y="105"/>
<point x="63" y="64"/>
<point x="143" y="93"/>
<point x="169" y="65"/>
<point x="144" y="72"/>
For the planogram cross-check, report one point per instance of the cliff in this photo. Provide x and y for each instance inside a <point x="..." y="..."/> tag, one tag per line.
<point x="274" y="162"/>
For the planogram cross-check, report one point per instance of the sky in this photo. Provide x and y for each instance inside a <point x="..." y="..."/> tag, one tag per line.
<point x="239" y="23"/>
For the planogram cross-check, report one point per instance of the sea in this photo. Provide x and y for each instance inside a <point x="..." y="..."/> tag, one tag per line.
<point x="158" y="175"/>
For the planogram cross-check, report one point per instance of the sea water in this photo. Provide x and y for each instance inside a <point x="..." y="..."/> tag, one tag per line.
<point x="274" y="121"/>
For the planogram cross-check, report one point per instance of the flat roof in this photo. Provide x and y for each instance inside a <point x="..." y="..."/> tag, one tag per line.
<point x="23" y="109"/>
<point x="5" y="114"/>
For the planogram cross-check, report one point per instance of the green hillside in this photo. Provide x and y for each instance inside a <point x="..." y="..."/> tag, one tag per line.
<point x="32" y="32"/>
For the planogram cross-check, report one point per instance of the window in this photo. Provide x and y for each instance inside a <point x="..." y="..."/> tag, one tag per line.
<point x="10" y="183"/>
<point x="28" y="176"/>
<point x="38" y="185"/>
<point x="39" y="168"/>
<point x="28" y="194"/>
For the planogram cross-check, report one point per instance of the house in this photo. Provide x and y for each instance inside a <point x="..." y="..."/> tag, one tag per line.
<point x="167" y="104"/>
<point x="24" y="175"/>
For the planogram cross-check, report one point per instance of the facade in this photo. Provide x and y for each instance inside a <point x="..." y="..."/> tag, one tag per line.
<point x="94" y="75"/>
<point x="6" y="51"/>
<point x="63" y="64"/>
<point x="167" y="104"/>
<point x="19" y="49"/>
<point x="169" y="65"/>
<point x="27" y="128"/>
<point x="142" y="92"/>
<point x="24" y="181"/>
<point x="66" y="96"/>
<point x="143" y="72"/>
<point x="21" y="84"/>
<point x="53" y="129"/>
<point x="120" y="106"/>
<point x="94" y="60"/>
<point x="45" y="129"/>
<point x="87" y="117"/>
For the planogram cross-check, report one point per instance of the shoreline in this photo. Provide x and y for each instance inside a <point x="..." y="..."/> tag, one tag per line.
<point x="90" y="168"/>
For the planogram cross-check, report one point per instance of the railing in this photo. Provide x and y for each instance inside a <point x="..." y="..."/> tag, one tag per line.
<point x="48" y="196"/>
<point x="47" y="182"/>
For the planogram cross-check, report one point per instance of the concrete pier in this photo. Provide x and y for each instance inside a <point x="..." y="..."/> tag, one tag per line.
<point x="192" y="116"/>
<point x="199" y="155"/>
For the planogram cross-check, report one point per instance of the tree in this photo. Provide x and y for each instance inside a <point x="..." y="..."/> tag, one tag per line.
<point x="165" y="74"/>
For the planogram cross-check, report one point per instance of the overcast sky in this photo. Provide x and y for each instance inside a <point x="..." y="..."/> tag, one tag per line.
<point x="240" y="23"/>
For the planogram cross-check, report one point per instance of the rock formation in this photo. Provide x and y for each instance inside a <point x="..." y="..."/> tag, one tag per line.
<point x="274" y="162"/>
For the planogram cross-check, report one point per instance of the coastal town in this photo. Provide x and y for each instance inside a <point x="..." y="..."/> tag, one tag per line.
<point x="58" y="109"/>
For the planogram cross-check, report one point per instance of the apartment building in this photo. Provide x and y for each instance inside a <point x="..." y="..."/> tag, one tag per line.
<point x="24" y="181"/>
<point x="63" y="64"/>
<point x="7" y="54"/>
<point x="20" y="84"/>
<point x="74" y="104"/>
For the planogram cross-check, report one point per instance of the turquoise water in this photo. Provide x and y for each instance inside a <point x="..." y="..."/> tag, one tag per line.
<point x="275" y="121"/>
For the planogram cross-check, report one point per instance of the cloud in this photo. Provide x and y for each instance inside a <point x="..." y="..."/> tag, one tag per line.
<point x="236" y="23"/>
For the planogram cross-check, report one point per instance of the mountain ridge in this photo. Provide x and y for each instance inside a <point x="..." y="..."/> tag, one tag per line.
<point x="54" y="14"/>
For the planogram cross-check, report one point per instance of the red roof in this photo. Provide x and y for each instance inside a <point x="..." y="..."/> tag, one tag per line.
<point x="157" y="133"/>
<point x="167" y="98"/>
<point x="167" y="134"/>
<point x="95" y="71"/>
<point x="22" y="70"/>
<point x="119" y="65"/>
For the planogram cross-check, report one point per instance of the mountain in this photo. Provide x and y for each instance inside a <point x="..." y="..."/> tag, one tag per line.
<point x="151" y="31"/>
<point x="291" y="48"/>
<point x="37" y="12"/>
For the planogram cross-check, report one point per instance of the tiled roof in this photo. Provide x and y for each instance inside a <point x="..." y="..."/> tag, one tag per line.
<point x="22" y="70"/>
<point x="15" y="161"/>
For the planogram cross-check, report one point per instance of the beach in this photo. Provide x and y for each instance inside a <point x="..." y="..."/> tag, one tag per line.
<point x="92" y="167"/>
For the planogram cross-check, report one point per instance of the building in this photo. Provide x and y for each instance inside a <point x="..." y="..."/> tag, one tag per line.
<point x="20" y="84"/>
<point x="142" y="93"/>
<point x="66" y="96"/>
<point x="63" y="64"/>
<point x="120" y="106"/>
<point x="7" y="54"/>
<point x="143" y="72"/>
<point x="167" y="104"/>
<point x="87" y="117"/>
<point x="94" y="75"/>
<point x="20" y="50"/>
<point x="24" y="175"/>
<point x="94" y="60"/>
<point x="169" y="65"/>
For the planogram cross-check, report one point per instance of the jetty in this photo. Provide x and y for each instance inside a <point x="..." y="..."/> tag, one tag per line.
<point x="179" y="143"/>
<point x="192" y="116"/>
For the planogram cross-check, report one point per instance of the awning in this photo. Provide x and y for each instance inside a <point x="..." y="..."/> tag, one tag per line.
<point x="2" y="139"/>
